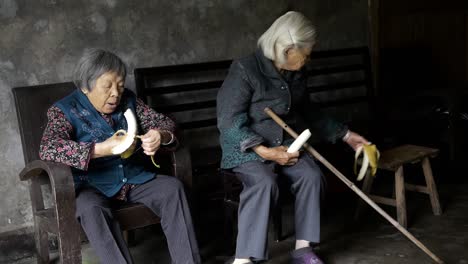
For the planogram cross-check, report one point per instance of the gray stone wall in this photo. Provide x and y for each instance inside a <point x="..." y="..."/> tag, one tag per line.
<point x="40" y="41"/>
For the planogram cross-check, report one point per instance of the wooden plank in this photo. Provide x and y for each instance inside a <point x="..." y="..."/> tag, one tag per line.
<point x="383" y="200"/>
<point x="185" y="107"/>
<point x="335" y="69"/>
<point x="338" y="52"/>
<point x="416" y="188"/>
<point x="181" y="88"/>
<point x="393" y="158"/>
<point x="341" y="102"/>
<point x="335" y="86"/>
<point x="198" y="124"/>
<point x="184" y="68"/>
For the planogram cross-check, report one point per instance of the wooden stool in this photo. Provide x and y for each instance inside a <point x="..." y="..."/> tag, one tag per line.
<point x="393" y="160"/>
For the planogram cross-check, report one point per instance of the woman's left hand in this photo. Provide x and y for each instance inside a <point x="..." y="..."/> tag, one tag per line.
<point x="150" y="142"/>
<point x="355" y="140"/>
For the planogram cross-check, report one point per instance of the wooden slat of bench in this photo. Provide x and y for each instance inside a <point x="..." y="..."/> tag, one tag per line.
<point x="344" y="101"/>
<point x="184" y="68"/>
<point x="198" y="124"/>
<point x="185" y="107"/>
<point x="336" y="86"/>
<point x="335" y="69"/>
<point x="182" y="88"/>
<point x="339" y="52"/>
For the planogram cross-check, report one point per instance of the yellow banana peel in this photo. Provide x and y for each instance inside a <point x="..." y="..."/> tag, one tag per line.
<point x="370" y="157"/>
<point x="129" y="152"/>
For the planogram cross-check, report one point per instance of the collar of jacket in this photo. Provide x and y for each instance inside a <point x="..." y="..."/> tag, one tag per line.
<point x="268" y="67"/>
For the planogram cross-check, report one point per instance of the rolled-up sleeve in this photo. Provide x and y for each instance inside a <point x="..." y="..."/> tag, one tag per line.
<point x="233" y="102"/>
<point x="57" y="144"/>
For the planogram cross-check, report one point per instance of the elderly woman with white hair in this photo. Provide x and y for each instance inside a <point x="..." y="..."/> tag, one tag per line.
<point x="254" y="146"/>
<point x="83" y="130"/>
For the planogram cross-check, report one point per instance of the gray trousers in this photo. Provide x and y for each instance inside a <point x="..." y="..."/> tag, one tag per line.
<point x="164" y="195"/>
<point x="260" y="194"/>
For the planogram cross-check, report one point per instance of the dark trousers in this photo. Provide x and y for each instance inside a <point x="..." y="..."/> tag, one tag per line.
<point x="164" y="195"/>
<point x="260" y="194"/>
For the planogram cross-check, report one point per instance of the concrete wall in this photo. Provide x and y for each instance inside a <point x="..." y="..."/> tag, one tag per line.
<point x="41" y="40"/>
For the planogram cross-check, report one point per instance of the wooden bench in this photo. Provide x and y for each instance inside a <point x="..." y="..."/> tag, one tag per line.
<point x="340" y="82"/>
<point x="32" y="103"/>
<point x="394" y="160"/>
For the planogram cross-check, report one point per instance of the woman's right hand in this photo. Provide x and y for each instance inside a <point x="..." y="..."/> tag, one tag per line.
<point x="277" y="154"/>
<point x="104" y="149"/>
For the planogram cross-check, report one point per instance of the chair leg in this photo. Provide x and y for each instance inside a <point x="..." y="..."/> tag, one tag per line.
<point x="41" y="236"/>
<point x="400" y="197"/>
<point x="278" y="223"/>
<point x="431" y="187"/>
<point x="69" y="230"/>
<point x="42" y="245"/>
<point x="366" y="188"/>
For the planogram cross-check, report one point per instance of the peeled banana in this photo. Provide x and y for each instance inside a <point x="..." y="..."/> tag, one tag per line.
<point x="370" y="157"/>
<point x="300" y="140"/>
<point x="127" y="138"/>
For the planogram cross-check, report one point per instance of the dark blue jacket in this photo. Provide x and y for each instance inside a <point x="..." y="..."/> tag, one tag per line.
<point x="107" y="174"/>
<point x="252" y="84"/>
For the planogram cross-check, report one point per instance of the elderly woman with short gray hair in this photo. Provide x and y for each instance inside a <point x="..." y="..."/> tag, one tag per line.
<point x="254" y="146"/>
<point x="83" y="131"/>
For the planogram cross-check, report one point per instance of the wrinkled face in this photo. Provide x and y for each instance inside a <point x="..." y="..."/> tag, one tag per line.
<point x="106" y="93"/>
<point x="296" y="58"/>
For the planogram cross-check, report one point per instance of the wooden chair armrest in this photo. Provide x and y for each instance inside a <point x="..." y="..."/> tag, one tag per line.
<point x="58" y="173"/>
<point x="182" y="165"/>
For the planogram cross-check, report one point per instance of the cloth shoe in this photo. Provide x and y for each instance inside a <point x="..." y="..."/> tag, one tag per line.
<point x="305" y="256"/>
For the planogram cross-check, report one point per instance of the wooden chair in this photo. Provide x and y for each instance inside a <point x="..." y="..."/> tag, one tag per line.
<point x="393" y="160"/>
<point x="59" y="218"/>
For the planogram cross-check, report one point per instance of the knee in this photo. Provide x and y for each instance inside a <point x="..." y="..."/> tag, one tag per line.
<point x="312" y="179"/>
<point x="175" y="185"/>
<point x="268" y="184"/>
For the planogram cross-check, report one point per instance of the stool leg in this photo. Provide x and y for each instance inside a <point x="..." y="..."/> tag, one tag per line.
<point x="431" y="187"/>
<point x="400" y="197"/>
<point x="366" y="188"/>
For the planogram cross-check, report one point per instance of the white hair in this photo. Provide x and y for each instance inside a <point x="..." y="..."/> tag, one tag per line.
<point x="291" y="30"/>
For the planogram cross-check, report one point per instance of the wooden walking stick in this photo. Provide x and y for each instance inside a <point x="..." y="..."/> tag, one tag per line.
<point x="353" y="187"/>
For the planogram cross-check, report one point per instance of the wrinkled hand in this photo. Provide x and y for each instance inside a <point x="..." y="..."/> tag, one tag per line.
<point x="150" y="142"/>
<point x="355" y="140"/>
<point x="277" y="154"/>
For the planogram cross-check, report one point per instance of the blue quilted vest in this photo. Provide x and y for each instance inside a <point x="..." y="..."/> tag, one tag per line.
<point x="107" y="174"/>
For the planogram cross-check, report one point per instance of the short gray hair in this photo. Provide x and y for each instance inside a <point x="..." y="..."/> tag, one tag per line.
<point x="291" y="30"/>
<point x="95" y="63"/>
